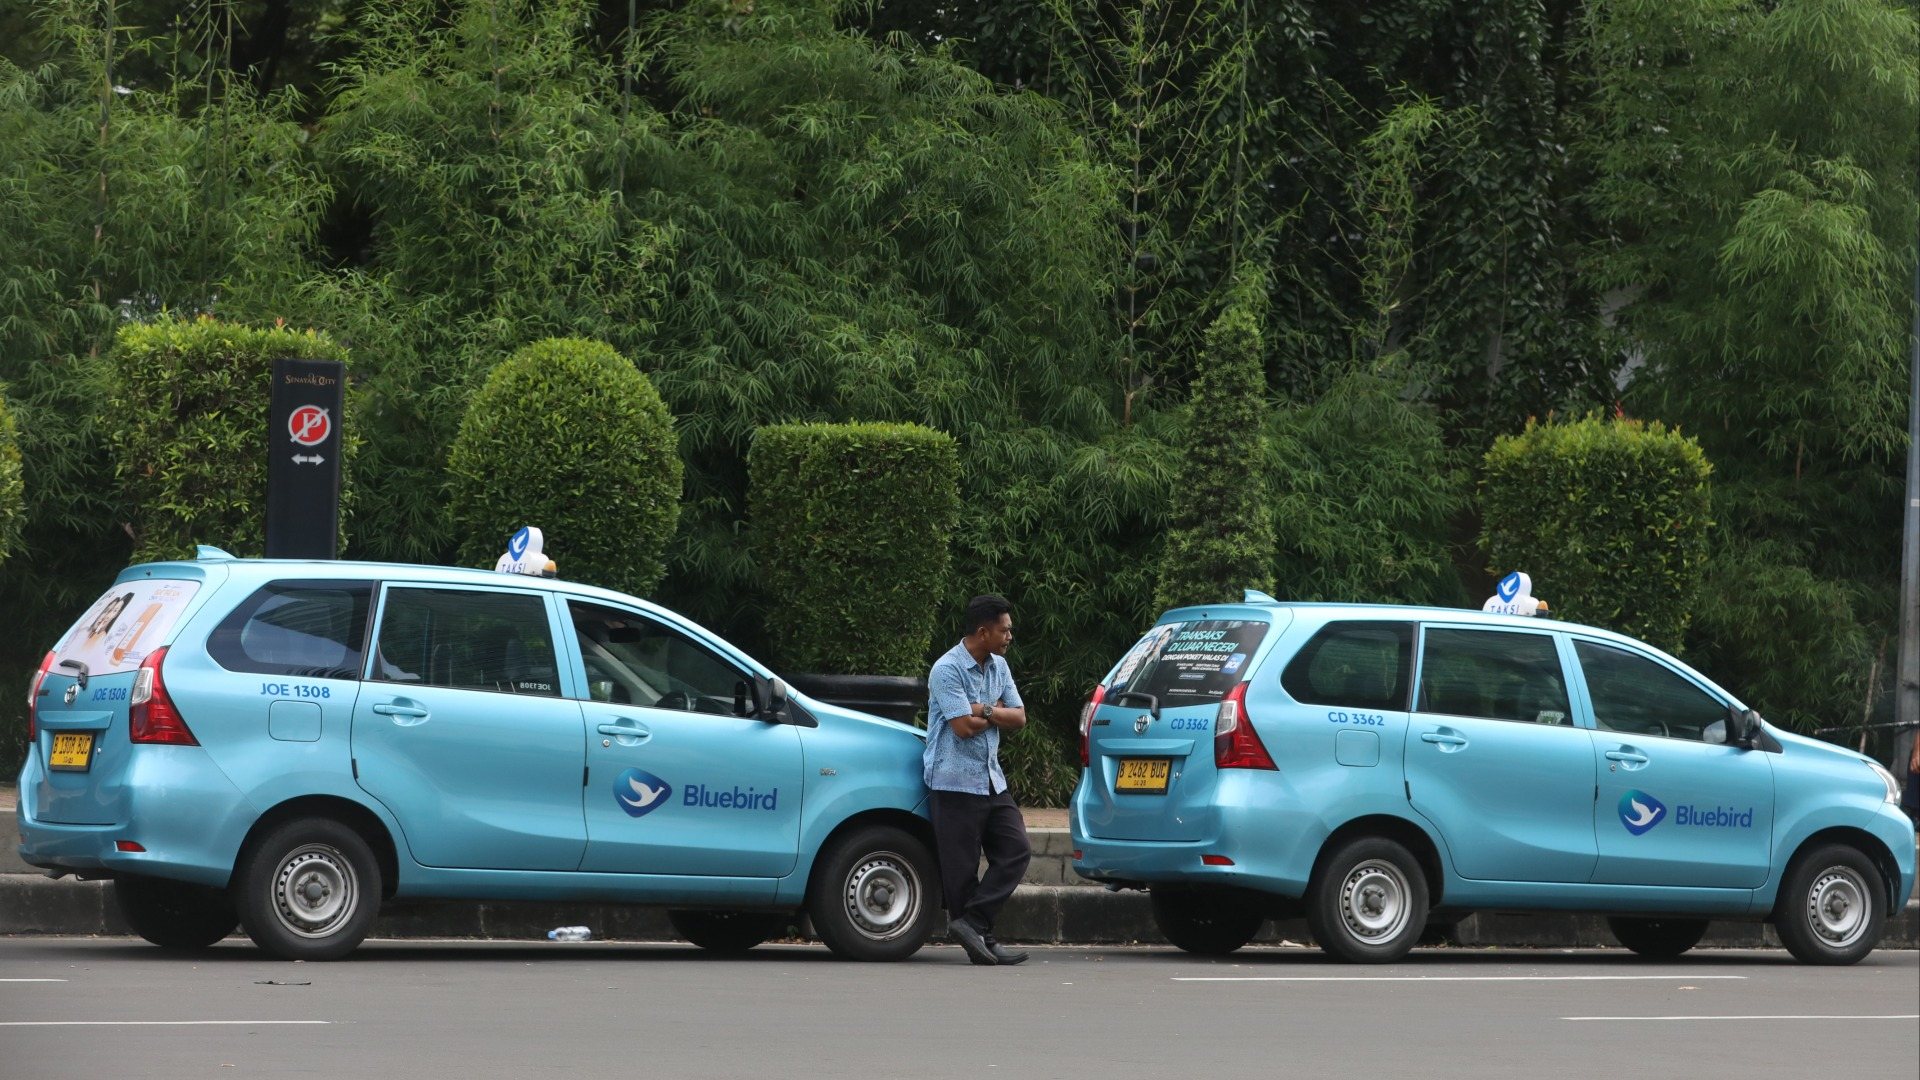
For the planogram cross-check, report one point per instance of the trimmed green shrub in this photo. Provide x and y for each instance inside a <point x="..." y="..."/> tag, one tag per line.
<point x="850" y="526"/>
<point x="1610" y="517"/>
<point x="1220" y="530"/>
<point x="186" y="421"/>
<point x="568" y="435"/>
<point x="13" y="489"/>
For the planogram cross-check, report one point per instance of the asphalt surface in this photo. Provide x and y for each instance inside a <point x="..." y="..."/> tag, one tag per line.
<point x="119" y="1008"/>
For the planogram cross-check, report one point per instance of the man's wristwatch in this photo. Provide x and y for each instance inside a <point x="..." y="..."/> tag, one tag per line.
<point x="986" y="712"/>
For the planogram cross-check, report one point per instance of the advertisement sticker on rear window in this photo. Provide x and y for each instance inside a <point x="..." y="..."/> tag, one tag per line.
<point x="126" y="624"/>
<point x="1190" y="663"/>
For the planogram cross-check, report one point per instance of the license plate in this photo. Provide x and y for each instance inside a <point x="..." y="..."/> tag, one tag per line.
<point x="72" y="750"/>
<point x="1146" y="776"/>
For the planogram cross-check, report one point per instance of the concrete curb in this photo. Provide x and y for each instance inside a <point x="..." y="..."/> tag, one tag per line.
<point x="1039" y="914"/>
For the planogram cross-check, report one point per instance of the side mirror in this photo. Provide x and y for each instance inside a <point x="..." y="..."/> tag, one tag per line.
<point x="770" y="695"/>
<point x="1742" y="725"/>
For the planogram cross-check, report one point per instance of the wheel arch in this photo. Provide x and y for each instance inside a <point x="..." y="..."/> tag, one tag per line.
<point x="345" y="811"/>
<point x="1401" y="831"/>
<point x="913" y="824"/>
<point x="1866" y="844"/>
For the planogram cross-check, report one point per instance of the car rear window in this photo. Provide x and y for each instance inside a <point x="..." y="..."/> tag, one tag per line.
<point x="1189" y="663"/>
<point x="316" y="629"/>
<point x="129" y="621"/>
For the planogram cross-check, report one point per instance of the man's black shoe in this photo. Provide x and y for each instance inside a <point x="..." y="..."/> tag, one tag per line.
<point x="1003" y="955"/>
<point x="972" y="942"/>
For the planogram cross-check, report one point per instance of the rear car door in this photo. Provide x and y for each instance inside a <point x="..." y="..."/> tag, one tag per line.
<point x="462" y="732"/>
<point x="1494" y="760"/>
<point x="1676" y="805"/>
<point x="683" y="776"/>
<point x="1151" y="773"/>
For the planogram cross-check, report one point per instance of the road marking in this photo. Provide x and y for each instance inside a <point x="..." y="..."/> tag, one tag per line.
<point x="152" y="1023"/>
<point x="33" y="980"/>
<point x="1449" y="978"/>
<point x="1786" y="1017"/>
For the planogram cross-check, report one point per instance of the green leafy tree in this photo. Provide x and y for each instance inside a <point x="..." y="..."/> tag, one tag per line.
<point x="1610" y="517"/>
<point x="189" y="403"/>
<point x="1220" y="530"/>
<point x="851" y="529"/>
<point x="12" y="488"/>
<point x="567" y="435"/>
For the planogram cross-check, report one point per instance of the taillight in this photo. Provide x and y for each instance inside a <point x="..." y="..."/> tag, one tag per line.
<point x="1086" y="723"/>
<point x="151" y="717"/>
<point x="1235" y="744"/>
<point x="33" y="695"/>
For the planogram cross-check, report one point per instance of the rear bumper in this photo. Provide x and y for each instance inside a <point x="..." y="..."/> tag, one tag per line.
<point x="181" y="809"/>
<point x="1270" y="848"/>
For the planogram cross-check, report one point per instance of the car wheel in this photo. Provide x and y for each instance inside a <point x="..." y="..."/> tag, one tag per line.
<point x="1830" y="906"/>
<point x="1205" y="923"/>
<point x="174" y="914"/>
<point x="1367" y="902"/>
<point x="728" y="933"/>
<point x="1658" y="939"/>
<point x="308" y="890"/>
<point x="874" y="894"/>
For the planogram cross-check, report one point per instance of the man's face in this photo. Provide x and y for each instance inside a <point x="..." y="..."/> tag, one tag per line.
<point x="996" y="636"/>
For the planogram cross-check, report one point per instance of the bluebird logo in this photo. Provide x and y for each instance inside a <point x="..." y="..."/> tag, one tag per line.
<point x="1509" y="586"/>
<point x="1640" y="811"/>
<point x="518" y="545"/>
<point x="640" y="793"/>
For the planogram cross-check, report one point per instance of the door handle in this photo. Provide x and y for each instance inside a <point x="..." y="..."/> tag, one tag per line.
<point x="1627" y="755"/>
<point x="626" y="729"/>
<point x="401" y="710"/>
<point x="1443" y="738"/>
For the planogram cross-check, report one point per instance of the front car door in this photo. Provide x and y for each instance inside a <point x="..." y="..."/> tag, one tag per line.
<point x="684" y="777"/>
<point x="1494" y="760"/>
<point x="1676" y="805"/>
<point x="462" y="732"/>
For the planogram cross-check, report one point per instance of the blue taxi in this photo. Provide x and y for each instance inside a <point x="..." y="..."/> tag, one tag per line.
<point x="285" y="745"/>
<point x="1379" y="768"/>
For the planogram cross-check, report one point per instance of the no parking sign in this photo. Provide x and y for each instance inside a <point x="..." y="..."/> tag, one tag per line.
<point x="303" y="459"/>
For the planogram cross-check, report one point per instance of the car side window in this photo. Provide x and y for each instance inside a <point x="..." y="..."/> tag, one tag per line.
<point x="495" y="641"/>
<point x="311" y="629"/>
<point x="1354" y="665"/>
<point x="631" y="659"/>
<point x="1495" y="674"/>
<point x="1636" y="695"/>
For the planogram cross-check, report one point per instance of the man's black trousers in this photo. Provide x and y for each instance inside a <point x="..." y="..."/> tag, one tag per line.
<point x="965" y="827"/>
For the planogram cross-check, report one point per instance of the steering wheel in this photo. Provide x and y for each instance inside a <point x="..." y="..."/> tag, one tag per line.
<point x="676" y="700"/>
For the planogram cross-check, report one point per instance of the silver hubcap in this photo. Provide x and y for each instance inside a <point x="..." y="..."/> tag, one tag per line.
<point x="882" y="896"/>
<point x="1373" y="901"/>
<point x="316" y="890"/>
<point x="1838" y="907"/>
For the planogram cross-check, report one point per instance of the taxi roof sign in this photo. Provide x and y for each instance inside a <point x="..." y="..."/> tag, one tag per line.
<point x="525" y="555"/>
<point x="1514" y="596"/>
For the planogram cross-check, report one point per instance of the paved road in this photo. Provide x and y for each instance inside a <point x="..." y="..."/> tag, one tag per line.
<point x="117" y="1008"/>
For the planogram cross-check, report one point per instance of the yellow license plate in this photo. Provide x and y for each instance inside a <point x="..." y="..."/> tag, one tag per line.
<point x="1146" y="776"/>
<point x="72" y="750"/>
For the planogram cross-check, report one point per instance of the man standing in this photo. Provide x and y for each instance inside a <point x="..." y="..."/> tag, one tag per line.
<point x="970" y="701"/>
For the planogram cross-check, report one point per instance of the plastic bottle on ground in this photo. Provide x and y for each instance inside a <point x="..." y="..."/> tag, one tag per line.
<point x="570" y="933"/>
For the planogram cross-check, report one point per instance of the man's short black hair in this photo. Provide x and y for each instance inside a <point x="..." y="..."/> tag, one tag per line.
<point x="984" y="610"/>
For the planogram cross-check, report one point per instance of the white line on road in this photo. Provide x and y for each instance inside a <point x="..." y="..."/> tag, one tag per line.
<point x="1452" y="978"/>
<point x="152" y="1023"/>
<point x="32" y="980"/>
<point x="1788" y="1017"/>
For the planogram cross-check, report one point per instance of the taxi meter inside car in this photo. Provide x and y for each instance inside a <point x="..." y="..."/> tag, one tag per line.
<point x="1380" y="769"/>
<point x="284" y="745"/>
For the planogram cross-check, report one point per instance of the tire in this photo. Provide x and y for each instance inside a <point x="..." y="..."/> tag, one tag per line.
<point x="308" y="890"/>
<point x="1367" y="902"/>
<point x="174" y="914"/>
<point x="727" y="933"/>
<point x="875" y="895"/>
<point x="1831" y="906"/>
<point x="1205" y="923"/>
<point x="1658" y="939"/>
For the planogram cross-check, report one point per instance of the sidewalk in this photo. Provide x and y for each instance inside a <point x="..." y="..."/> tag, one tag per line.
<point x="1055" y="906"/>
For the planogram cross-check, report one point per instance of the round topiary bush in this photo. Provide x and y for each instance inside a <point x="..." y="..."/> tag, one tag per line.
<point x="1609" y="517"/>
<point x="568" y="435"/>
<point x="187" y="426"/>
<point x="851" y="524"/>
<point x="13" y="490"/>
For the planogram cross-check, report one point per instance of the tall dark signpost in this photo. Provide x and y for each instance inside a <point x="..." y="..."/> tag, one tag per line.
<point x="303" y="459"/>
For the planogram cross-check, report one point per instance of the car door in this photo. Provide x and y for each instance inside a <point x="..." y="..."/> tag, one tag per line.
<point x="683" y="776"/>
<point x="1494" y="760"/>
<point x="1676" y="805"/>
<point x="461" y="731"/>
